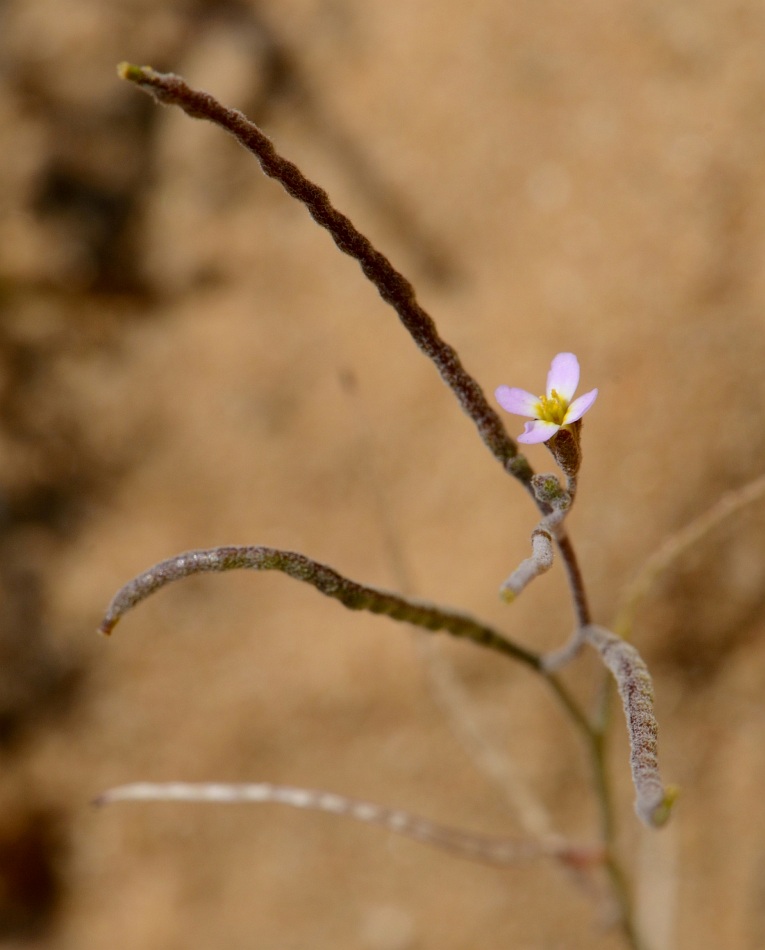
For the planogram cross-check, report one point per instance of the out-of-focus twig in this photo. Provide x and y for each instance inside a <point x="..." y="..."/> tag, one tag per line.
<point x="483" y="848"/>
<point x="677" y="545"/>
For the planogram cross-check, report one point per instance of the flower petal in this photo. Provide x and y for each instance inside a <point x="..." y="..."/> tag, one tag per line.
<point x="517" y="401"/>
<point x="563" y="376"/>
<point x="579" y="406"/>
<point x="537" y="431"/>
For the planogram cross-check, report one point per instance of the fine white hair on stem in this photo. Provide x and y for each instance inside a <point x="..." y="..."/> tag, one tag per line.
<point x="483" y="848"/>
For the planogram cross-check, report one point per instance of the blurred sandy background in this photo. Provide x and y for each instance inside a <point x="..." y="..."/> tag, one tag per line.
<point x="186" y="360"/>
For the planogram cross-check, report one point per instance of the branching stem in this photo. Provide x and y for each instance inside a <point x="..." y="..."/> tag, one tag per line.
<point x="399" y="293"/>
<point x="392" y="286"/>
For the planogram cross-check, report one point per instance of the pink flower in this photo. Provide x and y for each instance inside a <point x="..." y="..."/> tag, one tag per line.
<point x="554" y="410"/>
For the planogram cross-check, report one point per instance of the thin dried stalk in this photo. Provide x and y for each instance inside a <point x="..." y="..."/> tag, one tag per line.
<point x="677" y="545"/>
<point x="490" y="757"/>
<point x="483" y="848"/>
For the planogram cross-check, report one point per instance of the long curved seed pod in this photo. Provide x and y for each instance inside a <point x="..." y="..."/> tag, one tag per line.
<point x="484" y="848"/>
<point x="653" y="802"/>
<point x="393" y="287"/>
<point x="557" y="501"/>
<point x="540" y="562"/>
<point x="324" y="579"/>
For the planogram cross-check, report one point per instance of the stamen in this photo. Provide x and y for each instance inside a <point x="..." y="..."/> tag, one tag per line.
<point x="552" y="408"/>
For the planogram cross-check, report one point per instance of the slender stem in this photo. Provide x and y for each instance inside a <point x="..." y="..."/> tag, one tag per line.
<point x="621" y="890"/>
<point x="572" y="707"/>
<point x="618" y="879"/>
<point x="595" y="741"/>
<point x="575" y="581"/>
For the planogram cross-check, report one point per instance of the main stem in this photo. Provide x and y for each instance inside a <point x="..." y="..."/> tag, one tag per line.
<point x="575" y="581"/>
<point x="616" y="876"/>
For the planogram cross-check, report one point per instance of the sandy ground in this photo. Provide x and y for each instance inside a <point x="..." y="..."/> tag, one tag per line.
<point x="186" y="360"/>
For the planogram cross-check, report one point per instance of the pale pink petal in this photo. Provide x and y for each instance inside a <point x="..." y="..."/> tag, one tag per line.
<point x="563" y="376"/>
<point x="517" y="401"/>
<point x="537" y="431"/>
<point x="579" y="406"/>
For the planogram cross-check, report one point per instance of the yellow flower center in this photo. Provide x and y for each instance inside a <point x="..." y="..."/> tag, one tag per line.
<point x="552" y="408"/>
